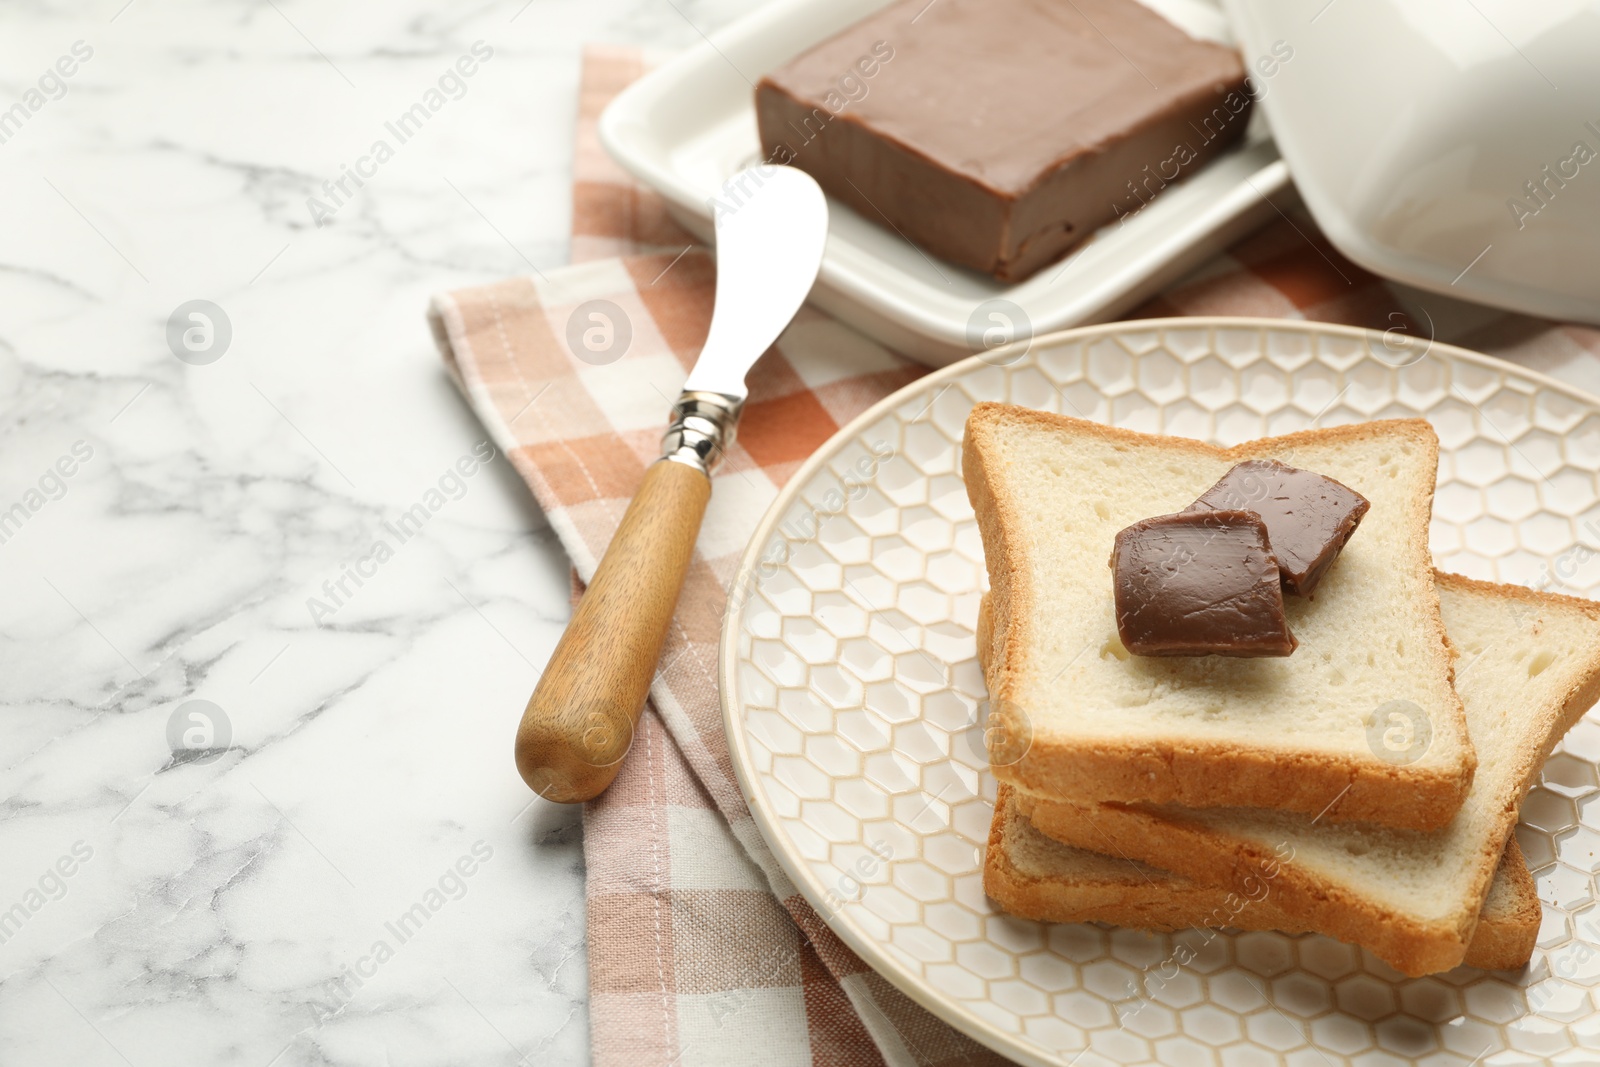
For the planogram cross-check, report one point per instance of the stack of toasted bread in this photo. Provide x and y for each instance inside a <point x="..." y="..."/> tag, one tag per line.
<point x="1364" y="787"/>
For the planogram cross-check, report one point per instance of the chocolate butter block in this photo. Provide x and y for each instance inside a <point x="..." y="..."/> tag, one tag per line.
<point x="997" y="134"/>
<point x="1199" y="583"/>
<point x="1309" y="516"/>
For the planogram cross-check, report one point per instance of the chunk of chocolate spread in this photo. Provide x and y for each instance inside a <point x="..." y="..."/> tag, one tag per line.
<point x="999" y="134"/>
<point x="1309" y="517"/>
<point x="1199" y="583"/>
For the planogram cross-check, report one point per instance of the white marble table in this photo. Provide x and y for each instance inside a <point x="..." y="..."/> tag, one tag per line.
<point x="358" y="878"/>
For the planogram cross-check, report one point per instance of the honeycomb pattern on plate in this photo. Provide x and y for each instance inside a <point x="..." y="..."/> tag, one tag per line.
<point x="856" y="710"/>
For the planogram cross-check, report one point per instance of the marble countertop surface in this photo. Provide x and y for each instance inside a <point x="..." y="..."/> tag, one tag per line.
<point x="256" y="811"/>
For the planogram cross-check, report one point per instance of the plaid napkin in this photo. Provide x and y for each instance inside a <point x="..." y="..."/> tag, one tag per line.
<point x="701" y="950"/>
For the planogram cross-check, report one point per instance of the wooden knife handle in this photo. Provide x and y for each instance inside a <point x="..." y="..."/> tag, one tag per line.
<point x="580" y="721"/>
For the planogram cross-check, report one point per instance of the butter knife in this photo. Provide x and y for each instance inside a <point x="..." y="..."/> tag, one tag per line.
<point x="771" y="226"/>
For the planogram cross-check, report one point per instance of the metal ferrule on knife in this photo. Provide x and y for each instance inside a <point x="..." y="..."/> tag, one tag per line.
<point x="703" y="426"/>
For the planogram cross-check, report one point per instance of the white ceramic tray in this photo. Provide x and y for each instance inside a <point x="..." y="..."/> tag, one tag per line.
<point x="686" y="126"/>
<point x="851" y="697"/>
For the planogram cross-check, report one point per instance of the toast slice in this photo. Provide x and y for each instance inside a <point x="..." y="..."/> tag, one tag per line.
<point x="1074" y="715"/>
<point x="1531" y="669"/>
<point x="1033" y="876"/>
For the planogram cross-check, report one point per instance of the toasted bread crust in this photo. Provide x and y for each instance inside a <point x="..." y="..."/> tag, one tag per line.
<point x="1409" y="945"/>
<point x="1173" y="902"/>
<point x="1420" y="796"/>
<point x="1406" y="943"/>
<point x="1506" y="942"/>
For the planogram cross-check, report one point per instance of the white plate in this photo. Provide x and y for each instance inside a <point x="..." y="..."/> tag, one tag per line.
<point x="1415" y="126"/>
<point x="686" y="126"/>
<point x="851" y="692"/>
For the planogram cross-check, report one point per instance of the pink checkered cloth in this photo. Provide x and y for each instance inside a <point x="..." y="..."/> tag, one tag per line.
<point x="701" y="951"/>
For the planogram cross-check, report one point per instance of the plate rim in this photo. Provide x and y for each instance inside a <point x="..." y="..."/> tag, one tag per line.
<point x="897" y="974"/>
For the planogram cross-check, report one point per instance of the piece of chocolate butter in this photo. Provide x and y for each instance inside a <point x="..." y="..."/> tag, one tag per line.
<point x="1309" y="516"/>
<point x="998" y="134"/>
<point x="1199" y="583"/>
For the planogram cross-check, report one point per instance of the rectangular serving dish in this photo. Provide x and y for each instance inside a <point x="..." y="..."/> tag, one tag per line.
<point x="686" y="126"/>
